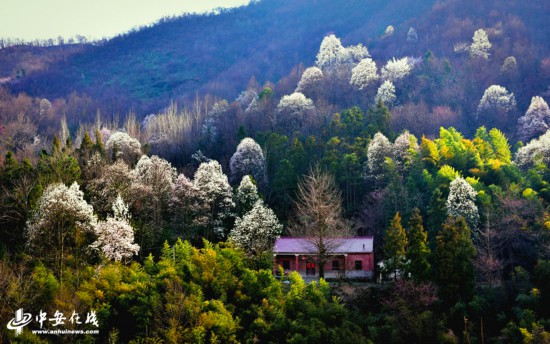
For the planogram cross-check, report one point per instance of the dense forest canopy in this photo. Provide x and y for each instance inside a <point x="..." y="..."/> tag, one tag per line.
<point x="151" y="174"/>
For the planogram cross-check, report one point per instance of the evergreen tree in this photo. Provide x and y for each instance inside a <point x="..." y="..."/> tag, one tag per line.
<point x="58" y="165"/>
<point x="394" y="247"/>
<point x="437" y="214"/>
<point x="454" y="261"/>
<point x="418" y="250"/>
<point x="379" y="118"/>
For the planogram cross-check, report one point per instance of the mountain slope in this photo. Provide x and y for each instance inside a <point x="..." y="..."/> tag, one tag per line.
<point x="215" y="53"/>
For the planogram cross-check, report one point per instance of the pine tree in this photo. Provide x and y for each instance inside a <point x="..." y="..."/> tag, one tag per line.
<point x="454" y="261"/>
<point x="418" y="250"/>
<point x="394" y="247"/>
<point x="437" y="214"/>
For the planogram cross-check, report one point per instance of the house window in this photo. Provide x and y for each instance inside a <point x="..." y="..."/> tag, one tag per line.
<point x="286" y="264"/>
<point x="335" y="265"/>
<point x="358" y="265"/>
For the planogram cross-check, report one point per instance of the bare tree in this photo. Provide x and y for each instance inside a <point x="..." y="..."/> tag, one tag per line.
<point x="489" y="248"/>
<point x="318" y="218"/>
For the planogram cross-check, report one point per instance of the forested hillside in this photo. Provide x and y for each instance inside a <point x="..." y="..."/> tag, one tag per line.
<point x="425" y="126"/>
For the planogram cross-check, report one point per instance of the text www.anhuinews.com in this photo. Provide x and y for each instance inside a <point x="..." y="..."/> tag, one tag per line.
<point x="65" y="331"/>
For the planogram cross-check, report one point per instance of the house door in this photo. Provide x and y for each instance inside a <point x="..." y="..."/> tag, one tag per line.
<point x="310" y="269"/>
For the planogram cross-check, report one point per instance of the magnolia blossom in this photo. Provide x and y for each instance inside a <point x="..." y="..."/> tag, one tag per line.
<point x="156" y="173"/>
<point x="122" y="146"/>
<point x="257" y="230"/>
<point x="60" y="208"/>
<point x="61" y="213"/>
<point x="461" y="202"/>
<point x="395" y="70"/>
<point x="248" y="159"/>
<point x="214" y="195"/>
<point x="480" y="45"/>
<point x="404" y="148"/>
<point x="311" y="77"/>
<point x="386" y="93"/>
<point x="535" y="152"/>
<point x="536" y="120"/>
<point x="377" y="151"/>
<point x="115" y="237"/>
<point x="246" y="195"/>
<point x="331" y="53"/>
<point x="364" y="74"/>
<point x="496" y="98"/>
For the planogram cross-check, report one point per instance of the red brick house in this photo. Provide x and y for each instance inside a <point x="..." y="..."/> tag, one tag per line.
<point x="352" y="258"/>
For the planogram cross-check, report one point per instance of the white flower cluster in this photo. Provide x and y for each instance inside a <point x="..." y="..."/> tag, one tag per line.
<point x="115" y="236"/>
<point x="535" y="152"/>
<point x="257" y="230"/>
<point x="248" y="159"/>
<point x="395" y="69"/>
<point x="536" y="120"/>
<point x="377" y="151"/>
<point x="122" y="146"/>
<point x="461" y="202"/>
<point x="386" y="93"/>
<point x="364" y="74"/>
<point x="480" y="45"/>
<point x="333" y="54"/>
<point x="310" y="79"/>
<point x="496" y="98"/>
<point x="60" y="209"/>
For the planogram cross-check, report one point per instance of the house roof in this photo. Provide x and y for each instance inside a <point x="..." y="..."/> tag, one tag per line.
<point x="297" y="245"/>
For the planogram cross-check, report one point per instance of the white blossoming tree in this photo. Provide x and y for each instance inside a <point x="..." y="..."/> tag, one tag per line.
<point x="496" y="105"/>
<point x="157" y="173"/>
<point x="310" y="81"/>
<point x="364" y="74"/>
<point x="378" y="150"/>
<point x="293" y="111"/>
<point x="149" y="196"/>
<point x="395" y="69"/>
<point x="246" y="196"/>
<point x="404" y="149"/>
<point x="331" y="53"/>
<point x="61" y="217"/>
<point x="412" y="35"/>
<point x="480" y="45"/>
<point x="248" y="159"/>
<point x="115" y="179"/>
<point x="386" y="93"/>
<point x="122" y="146"/>
<point x="215" y="198"/>
<point x="357" y="53"/>
<point x="257" y="230"/>
<point x="185" y="207"/>
<point x="461" y="202"/>
<point x="115" y="236"/>
<point x="536" y="120"/>
<point x="535" y="152"/>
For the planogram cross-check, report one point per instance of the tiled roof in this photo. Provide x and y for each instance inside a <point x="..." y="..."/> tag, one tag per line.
<point x="343" y="245"/>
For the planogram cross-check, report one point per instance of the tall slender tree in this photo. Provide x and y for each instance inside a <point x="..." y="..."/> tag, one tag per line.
<point x="319" y="216"/>
<point x="394" y="247"/>
<point x="454" y="260"/>
<point x="418" y="251"/>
